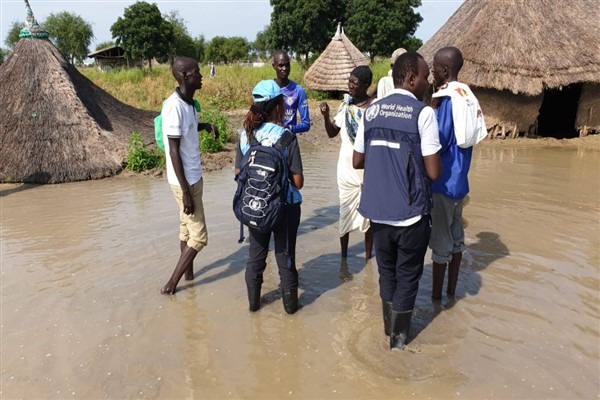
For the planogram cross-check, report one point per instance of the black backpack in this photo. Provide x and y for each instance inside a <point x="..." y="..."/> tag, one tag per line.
<point x="263" y="183"/>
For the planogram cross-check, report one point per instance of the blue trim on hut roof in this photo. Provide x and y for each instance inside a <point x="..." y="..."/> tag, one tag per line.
<point x="32" y="29"/>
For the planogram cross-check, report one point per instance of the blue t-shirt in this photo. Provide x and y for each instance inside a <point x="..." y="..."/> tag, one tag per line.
<point x="295" y="100"/>
<point x="456" y="161"/>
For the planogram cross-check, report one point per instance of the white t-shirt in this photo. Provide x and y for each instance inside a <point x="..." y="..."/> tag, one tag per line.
<point x="430" y="143"/>
<point x="180" y="120"/>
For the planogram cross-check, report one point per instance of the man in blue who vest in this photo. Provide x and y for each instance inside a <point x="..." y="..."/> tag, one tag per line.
<point x="397" y="144"/>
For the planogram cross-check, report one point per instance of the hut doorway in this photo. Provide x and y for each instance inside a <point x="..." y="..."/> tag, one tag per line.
<point x="559" y="111"/>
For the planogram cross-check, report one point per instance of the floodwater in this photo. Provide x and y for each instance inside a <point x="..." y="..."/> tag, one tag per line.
<point x="82" y="317"/>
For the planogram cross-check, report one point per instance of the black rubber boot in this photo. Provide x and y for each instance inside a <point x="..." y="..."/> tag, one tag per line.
<point x="437" y="274"/>
<point x="254" y="297"/>
<point x="453" y="269"/>
<point x="400" y="326"/>
<point x="387" y="317"/>
<point x="290" y="300"/>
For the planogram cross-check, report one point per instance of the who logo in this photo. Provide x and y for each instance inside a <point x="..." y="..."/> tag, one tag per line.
<point x="372" y="112"/>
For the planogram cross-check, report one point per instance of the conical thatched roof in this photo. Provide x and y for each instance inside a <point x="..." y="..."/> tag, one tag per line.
<point x="332" y="69"/>
<point x="55" y="124"/>
<point x="523" y="45"/>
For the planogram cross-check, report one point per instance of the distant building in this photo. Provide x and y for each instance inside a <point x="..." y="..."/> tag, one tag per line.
<point x="113" y="58"/>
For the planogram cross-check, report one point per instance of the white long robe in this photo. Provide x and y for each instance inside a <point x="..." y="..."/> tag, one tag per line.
<point x="349" y="181"/>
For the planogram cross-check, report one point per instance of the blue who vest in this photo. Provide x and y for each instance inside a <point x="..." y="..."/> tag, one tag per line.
<point x="395" y="186"/>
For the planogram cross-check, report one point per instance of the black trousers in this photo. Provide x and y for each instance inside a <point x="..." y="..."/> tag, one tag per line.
<point x="285" y="251"/>
<point x="400" y="253"/>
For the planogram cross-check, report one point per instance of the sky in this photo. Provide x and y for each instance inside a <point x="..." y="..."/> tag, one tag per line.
<point x="203" y="17"/>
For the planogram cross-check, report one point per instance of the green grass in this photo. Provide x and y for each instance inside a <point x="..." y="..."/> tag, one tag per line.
<point x="380" y="69"/>
<point x="145" y="89"/>
<point x="140" y="157"/>
<point x="230" y="89"/>
<point x="208" y="143"/>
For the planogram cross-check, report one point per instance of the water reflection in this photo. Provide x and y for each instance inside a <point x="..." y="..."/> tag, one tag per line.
<point x="321" y="274"/>
<point x="16" y="188"/>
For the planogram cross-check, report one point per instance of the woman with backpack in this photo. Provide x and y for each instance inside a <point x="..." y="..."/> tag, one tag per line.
<point x="263" y="125"/>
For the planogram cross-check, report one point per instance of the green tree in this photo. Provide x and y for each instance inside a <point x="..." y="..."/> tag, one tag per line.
<point x="223" y="49"/>
<point x="12" y="38"/>
<point x="381" y="26"/>
<point x="3" y="54"/>
<point x="104" y="45"/>
<point x="182" y="44"/>
<point x="237" y="48"/>
<point x="200" y="46"/>
<point x="215" y="50"/>
<point x="263" y="44"/>
<point x="71" y="34"/>
<point x="304" y="26"/>
<point x="143" y="32"/>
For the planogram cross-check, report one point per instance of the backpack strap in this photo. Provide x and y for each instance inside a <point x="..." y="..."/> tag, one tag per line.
<point x="242" y="238"/>
<point x="252" y="141"/>
<point x="285" y="139"/>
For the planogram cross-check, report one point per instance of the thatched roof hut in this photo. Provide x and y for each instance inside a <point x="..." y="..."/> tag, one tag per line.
<point x="533" y="64"/>
<point x="55" y="124"/>
<point x="330" y="72"/>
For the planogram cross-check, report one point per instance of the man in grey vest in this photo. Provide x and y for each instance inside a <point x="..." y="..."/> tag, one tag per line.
<point x="397" y="144"/>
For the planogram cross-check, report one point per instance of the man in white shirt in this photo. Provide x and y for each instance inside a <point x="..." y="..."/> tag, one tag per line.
<point x="386" y="84"/>
<point x="397" y="144"/>
<point x="184" y="166"/>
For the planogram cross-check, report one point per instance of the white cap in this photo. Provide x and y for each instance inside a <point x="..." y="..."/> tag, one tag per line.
<point x="397" y="53"/>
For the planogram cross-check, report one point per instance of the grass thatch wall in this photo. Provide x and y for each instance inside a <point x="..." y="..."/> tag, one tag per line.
<point x="508" y="111"/>
<point x="588" y="113"/>
<point x="55" y="124"/>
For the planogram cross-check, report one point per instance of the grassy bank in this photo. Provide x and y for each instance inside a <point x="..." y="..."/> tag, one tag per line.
<point x="229" y="90"/>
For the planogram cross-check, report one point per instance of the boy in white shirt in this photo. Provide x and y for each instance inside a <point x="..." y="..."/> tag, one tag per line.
<point x="184" y="165"/>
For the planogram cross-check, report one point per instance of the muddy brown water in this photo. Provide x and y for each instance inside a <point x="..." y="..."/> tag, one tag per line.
<point x="82" y="317"/>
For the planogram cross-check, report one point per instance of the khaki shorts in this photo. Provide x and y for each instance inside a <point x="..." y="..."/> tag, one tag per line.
<point x="192" y="227"/>
<point x="447" y="232"/>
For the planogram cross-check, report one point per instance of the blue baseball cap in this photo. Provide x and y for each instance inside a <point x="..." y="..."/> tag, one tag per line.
<point x="265" y="91"/>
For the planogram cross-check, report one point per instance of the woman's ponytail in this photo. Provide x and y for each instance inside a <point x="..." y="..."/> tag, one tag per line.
<point x="259" y="114"/>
